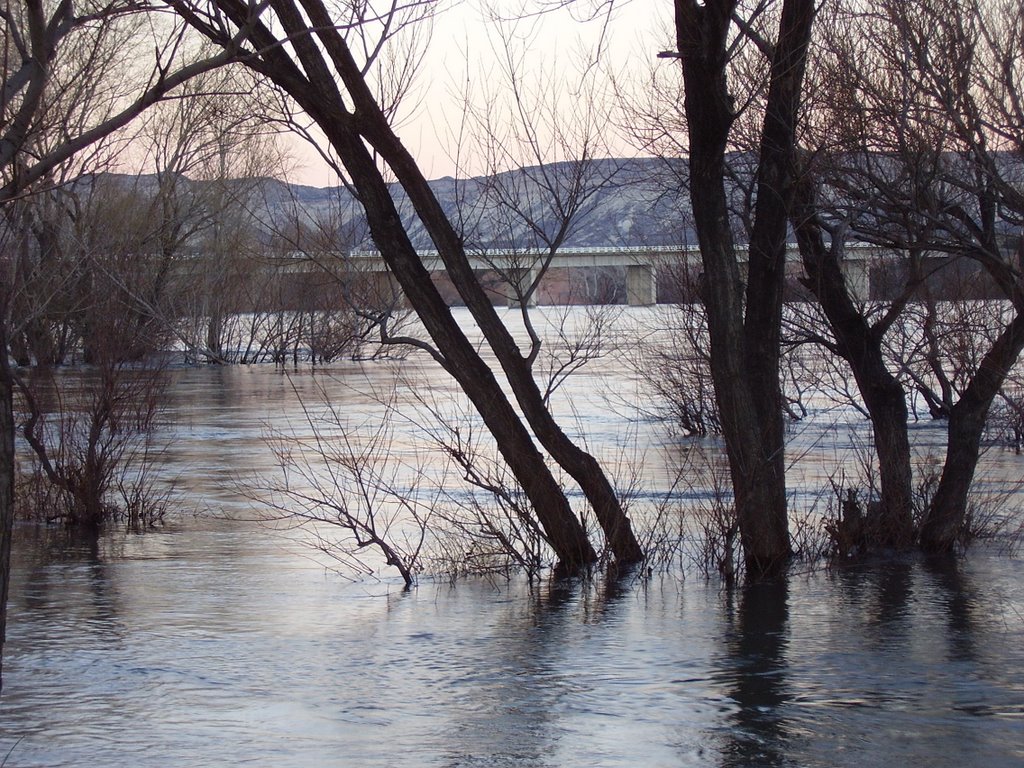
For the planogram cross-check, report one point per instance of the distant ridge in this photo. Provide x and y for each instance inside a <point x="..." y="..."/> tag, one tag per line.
<point x="624" y="203"/>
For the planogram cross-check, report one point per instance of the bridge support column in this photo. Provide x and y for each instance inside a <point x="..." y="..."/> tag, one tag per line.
<point x="520" y="280"/>
<point x="641" y="285"/>
<point x="857" y="274"/>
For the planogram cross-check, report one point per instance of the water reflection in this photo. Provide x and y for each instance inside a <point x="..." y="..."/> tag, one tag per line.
<point x="758" y="644"/>
<point x="510" y="713"/>
<point x="521" y="688"/>
<point x="82" y="583"/>
<point x="218" y="645"/>
<point x="957" y="594"/>
<point x="217" y="642"/>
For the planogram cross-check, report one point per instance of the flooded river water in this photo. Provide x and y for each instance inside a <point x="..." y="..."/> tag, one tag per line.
<point x="216" y="641"/>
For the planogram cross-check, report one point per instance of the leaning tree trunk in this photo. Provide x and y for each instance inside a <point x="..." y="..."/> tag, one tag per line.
<point x="373" y="125"/>
<point x="580" y="465"/>
<point x="861" y="346"/>
<point x="315" y="90"/>
<point x="946" y="516"/>
<point x="563" y="529"/>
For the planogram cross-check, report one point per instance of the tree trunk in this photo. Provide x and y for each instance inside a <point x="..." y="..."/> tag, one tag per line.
<point x="892" y="525"/>
<point x="945" y="517"/>
<point x="701" y="37"/>
<point x="215" y="335"/>
<point x="581" y="466"/>
<point x="745" y="349"/>
<point x="861" y="346"/>
<point x="564" y="531"/>
<point x="315" y="89"/>
<point x="7" y="469"/>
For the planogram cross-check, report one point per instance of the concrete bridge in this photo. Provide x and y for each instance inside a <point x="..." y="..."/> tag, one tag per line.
<point x="641" y="264"/>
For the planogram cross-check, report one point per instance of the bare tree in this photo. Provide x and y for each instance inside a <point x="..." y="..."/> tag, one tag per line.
<point x="545" y="166"/>
<point x="354" y="120"/>
<point x="917" y="137"/>
<point x="93" y="442"/>
<point x="677" y="366"/>
<point x="209" y="152"/>
<point x="745" y="321"/>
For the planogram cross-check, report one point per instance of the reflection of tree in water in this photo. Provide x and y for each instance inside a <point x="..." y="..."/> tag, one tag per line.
<point x="757" y="646"/>
<point x="959" y="598"/>
<point x="66" y="614"/>
<point x="894" y="587"/>
<point x="510" y="714"/>
<point x="81" y="583"/>
<point x="882" y="594"/>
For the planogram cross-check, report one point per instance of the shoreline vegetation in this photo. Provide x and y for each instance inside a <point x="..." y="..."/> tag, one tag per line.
<point x="418" y="520"/>
<point x="775" y="139"/>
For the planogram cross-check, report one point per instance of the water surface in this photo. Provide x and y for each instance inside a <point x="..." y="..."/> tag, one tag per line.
<point x="218" y="644"/>
<point x="218" y="641"/>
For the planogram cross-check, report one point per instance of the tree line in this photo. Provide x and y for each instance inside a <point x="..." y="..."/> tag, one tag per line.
<point x="826" y="123"/>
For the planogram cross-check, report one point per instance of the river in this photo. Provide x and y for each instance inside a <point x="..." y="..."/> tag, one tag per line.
<point x="218" y="640"/>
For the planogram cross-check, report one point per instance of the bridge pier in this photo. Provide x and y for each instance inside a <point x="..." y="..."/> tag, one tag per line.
<point x="641" y="285"/>
<point x="857" y="274"/>
<point x="521" y="279"/>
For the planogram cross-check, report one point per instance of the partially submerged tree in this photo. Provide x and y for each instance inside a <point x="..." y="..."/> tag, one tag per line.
<point x="744" y="317"/>
<point x="321" y="72"/>
<point x="919" y="154"/>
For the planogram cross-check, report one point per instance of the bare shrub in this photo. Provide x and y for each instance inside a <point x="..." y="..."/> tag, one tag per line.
<point x="679" y="370"/>
<point x="414" y="483"/>
<point x="709" y="527"/>
<point x="490" y="535"/>
<point x="717" y="538"/>
<point x="808" y="537"/>
<point x="93" y="443"/>
<point x="663" y="533"/>
<point x="991" y="517"/>
<point x="340" y="474"/>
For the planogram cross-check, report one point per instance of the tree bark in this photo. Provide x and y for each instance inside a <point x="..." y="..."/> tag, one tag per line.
<point x="745" y="347"/>
<point x="776" y="174"/>
<point x="944" y="520"/>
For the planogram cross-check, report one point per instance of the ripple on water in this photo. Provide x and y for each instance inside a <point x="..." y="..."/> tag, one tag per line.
<point x="220" y="643"/>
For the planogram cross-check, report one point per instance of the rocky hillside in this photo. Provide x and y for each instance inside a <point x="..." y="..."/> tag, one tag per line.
<point x="610" y="202"/>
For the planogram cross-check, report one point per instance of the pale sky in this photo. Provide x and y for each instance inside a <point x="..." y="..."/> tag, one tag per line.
<point x="464" y="54"/>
